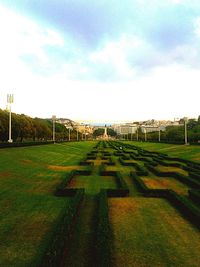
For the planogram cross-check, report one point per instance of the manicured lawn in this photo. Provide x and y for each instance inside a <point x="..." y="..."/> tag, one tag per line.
<point x="155" y="182"/>
<point x="150" y="232"/>
<point x="28" y="208"/>
<point x="171" y="169"/>
<point x="187" y="152"/>
<point x="93" y="183"/>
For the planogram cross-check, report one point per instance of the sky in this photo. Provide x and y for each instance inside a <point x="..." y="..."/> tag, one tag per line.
<point x="101" y="60"/>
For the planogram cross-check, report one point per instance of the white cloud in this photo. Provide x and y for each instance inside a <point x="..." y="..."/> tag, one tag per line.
<point x="20" y="36"/>
<point x="167" y="88"/>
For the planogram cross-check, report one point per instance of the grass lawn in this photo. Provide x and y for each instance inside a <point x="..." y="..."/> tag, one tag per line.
<point x="171" y="169"/>
<point x="155" y="182"/>
<point x="28" y="208"/>
<point x="93" y="183"/>
<point x="187" y="152"/>
<point x="150" y="232"/>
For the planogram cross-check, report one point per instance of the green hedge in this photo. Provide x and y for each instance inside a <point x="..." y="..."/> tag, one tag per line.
<point x="185" y="206"/>
<point x="22" y="144"/>
<point x="182" y="178"/>
<point x="122" y="188"/>
<point x="60" y="233"/>
<point x="141" y="186"/>
<point x="60" y="187"/>
<point x="194" y="195"/>
<point x="62" y="190"/>
<point x="103" y="240"/>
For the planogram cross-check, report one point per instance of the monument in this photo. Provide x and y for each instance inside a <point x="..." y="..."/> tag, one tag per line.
<point x="105" y="135"/>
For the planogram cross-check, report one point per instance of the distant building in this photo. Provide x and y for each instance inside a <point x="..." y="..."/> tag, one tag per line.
<point x="127" y="128"/>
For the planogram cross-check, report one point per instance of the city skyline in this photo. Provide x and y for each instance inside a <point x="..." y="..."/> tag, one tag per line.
<point x="116" y="61"/>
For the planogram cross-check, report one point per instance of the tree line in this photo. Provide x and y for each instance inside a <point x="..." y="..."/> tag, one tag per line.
<point x="25" y="128"/>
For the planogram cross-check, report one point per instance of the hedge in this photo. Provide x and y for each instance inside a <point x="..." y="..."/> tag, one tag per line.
<point x="62" y="190"/>
<point x="194" y="195"/>
<point x="22" y="144"/>
<point x="122" y="188"/>
<point x="103" y="240"/>
<point x="183" y="204"/>
<point x="60" y="234"/>
<point x="182" y="178"/>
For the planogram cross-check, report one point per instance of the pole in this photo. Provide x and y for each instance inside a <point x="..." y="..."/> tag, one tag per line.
<point x="54" y="131"/>
<point x="54" y="118"/>
<point x="10" y="99"/>
<point x="10" y="139"/>
<point x="186" y="141"/>
<point x="159" y="134"/>
<point x="145" y="135"/>
<point x="77" y="134"/>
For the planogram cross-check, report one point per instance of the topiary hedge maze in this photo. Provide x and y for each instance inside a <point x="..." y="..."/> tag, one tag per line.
<point x="101" y="176"/>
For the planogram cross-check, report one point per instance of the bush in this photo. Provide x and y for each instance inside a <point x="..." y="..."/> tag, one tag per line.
<point x="103" y="240"/>
<point x="61" y="232"/>
<point x="194" y="195"/>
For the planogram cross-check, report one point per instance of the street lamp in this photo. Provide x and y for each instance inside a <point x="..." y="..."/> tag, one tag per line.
<point x="145" y="134"/>
<point x="54" y="119"/>
<point x="186" y="137"/>
<point x="159" y="133"/>
<point x="85" y="132"/>
<point x="69" y="134"/>
<point x="77" y="134"/>
<point x="10" y="100"/>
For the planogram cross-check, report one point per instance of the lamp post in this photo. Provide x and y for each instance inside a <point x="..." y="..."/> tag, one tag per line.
<point x="145" y="134"/>
<point x="137" y="133"/>
<point x="77" y="134"/>
<point x="186" y="137"/>
<point x="54" y="119"/>
<point x="159" y="133"/>
<point x="10" y="100"/>
<point x="69" y="135"/>
<point x="85" y="132"/>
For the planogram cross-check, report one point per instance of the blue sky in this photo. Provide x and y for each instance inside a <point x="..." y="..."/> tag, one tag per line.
<point x="101" y="60"/>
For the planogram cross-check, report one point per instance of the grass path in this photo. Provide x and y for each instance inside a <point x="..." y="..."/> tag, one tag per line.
<point x="81" y="251"/>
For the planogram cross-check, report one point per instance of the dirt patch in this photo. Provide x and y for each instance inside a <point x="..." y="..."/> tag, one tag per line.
<point x="125" y="206"/>
<point x="151" y="183"/>
<point x="74" y="183"/>
<point x="196" y="159"/>
<point x="5" y="174"/>
<point x="26" y="161"/>
<point x="63" y="168"/>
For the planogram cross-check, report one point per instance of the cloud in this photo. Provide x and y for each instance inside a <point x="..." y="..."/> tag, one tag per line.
<point x="130" y="58"/>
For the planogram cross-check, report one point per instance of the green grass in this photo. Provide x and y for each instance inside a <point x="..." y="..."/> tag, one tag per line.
<point x="155" y="182"/>
<point x="93" y="183"/>
<point x="150" y="232"/>
<point x="28" y="208"/>
<point x="146" y="230"/>
<point x="189" y="152"/>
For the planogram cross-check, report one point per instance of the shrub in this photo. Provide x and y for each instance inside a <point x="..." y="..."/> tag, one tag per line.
<point x="103" y="240"/>
<point x="60" y="234"/>
<point x="194" y="195"/>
